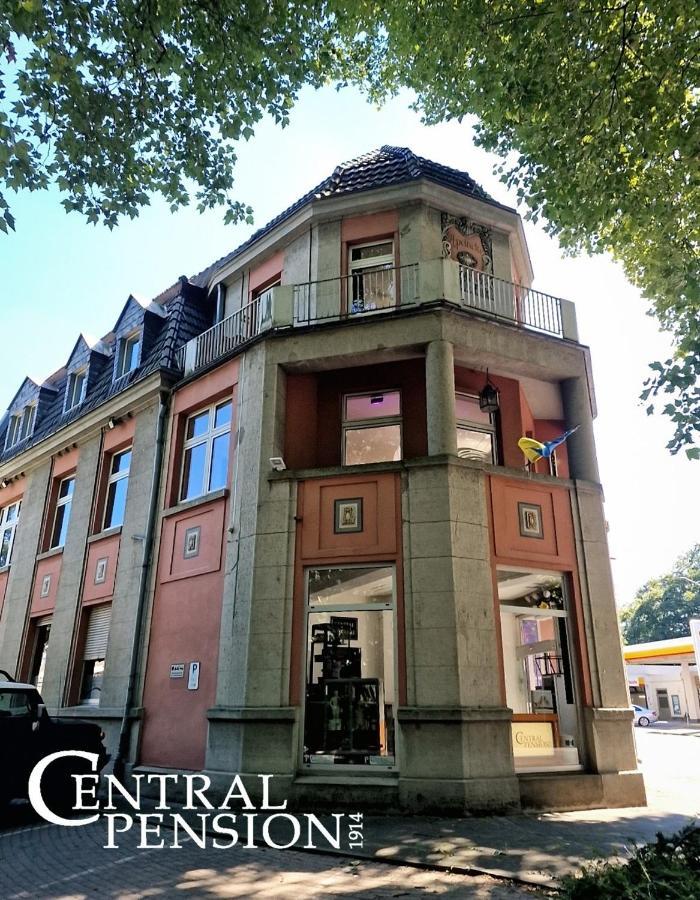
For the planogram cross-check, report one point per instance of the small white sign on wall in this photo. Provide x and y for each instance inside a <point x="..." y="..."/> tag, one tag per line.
<point x="177" y="670"/>
<point x="193" y="680"/>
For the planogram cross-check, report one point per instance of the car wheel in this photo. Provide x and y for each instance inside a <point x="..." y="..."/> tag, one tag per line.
<point x="643" y="722"/>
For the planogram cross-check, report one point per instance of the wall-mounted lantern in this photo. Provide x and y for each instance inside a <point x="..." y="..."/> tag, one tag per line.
<point x="488" y="397"/>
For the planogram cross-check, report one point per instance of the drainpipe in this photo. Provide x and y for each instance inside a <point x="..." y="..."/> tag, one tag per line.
<point x="125" y="731"/>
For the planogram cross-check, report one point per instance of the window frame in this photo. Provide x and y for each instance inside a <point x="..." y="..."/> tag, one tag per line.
<point x="571" y="655"/>
<point x="258" y="297"/>
<point x="123" y="343"/>
<point x="14" y="430"/>
<point x="469" y="425"/>
<point x="359" y="424"/>
<point x="21" y="425"/>
<point x="58" y="504"/>
<point x="40" y="645"/>
<point x="70" y="401"/>
<point x="112" y="479"/>
<point x="357" y="267"/>
<point x="11" y="527"/>
<point x="208" y="438"/>
<point x="390" y="606"/>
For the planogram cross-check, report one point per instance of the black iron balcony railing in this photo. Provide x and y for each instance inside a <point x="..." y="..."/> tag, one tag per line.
<point x="382" y="290"/>
<point x="359" y="294"/>
<point x="504" y="299"/>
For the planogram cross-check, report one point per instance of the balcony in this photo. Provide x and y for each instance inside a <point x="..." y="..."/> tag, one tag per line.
<point x="382" y="291"/>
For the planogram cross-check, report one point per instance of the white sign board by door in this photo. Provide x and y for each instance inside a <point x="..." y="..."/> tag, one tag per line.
<point x="193" y="678"/>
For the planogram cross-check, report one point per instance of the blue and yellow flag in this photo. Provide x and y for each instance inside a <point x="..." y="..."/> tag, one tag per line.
<point x="535" y="450"/>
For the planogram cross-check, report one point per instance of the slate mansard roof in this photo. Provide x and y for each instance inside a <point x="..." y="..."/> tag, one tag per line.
<point x="182" y="314"/>
<point x="183" y="311"/>
<point x="385" y="167"/>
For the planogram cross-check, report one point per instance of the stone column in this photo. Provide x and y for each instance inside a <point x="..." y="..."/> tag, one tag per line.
<point x="440" y="398"/>
<point x="581" y="445"/>
<point x="21" y="577"/>
<point x="57" y="675"/>
<point x="252" y="728"/>
<point x="454" y="731"/>
<point x="691" y="694"/>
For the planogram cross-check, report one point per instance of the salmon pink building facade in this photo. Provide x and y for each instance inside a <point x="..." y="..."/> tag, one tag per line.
<point x="277" y="521"/>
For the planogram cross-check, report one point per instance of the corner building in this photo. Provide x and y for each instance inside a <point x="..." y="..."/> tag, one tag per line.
<point x="331" y="563"/>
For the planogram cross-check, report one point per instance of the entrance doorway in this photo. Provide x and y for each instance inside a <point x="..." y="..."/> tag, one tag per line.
<point x="664" y="707"/>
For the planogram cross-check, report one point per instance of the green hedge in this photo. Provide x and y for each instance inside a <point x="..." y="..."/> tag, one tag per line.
<point x="666" y="870"/>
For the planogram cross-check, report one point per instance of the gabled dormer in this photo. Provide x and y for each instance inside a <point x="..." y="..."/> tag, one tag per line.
<point x="83" y="368"/>
<point x="27" y="407"/>
<point x="134" y="333"/>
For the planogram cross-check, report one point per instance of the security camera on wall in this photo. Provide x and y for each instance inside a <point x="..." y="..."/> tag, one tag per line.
<point x="277" y="463"/>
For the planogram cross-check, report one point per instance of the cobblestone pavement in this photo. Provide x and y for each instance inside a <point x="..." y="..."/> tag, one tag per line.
<point x="48" y="862"/>
<point x="42" y="861"/>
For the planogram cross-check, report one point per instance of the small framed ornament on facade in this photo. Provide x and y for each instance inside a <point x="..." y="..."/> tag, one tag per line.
<point x="45" y="586"/>
<point x="192" y="540"/>
<point x="101" y="570"/>
<point x="348" y="516"/>
<point x="530" y="516"/>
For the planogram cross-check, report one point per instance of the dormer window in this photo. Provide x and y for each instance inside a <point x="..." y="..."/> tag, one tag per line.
<point x="128" y="353"/>
<point x="75" y="389"/>
<point x="21" y="425"/>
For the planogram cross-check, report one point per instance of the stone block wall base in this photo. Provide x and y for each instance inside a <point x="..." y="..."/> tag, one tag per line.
<point x="458" y="797"/>
<point x="582" y="791"/>
<point x="345" y="793"/>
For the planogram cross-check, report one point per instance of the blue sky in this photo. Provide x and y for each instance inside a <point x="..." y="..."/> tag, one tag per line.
<point x="62" y="276"/>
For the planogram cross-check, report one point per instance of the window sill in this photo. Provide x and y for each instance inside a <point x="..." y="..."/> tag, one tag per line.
<point x="47" y="554"/>
<point x="88" y="711"/>
<point x="195" y="501"/>
<point x="108" y="532"/>
<point x="4" y="569"/>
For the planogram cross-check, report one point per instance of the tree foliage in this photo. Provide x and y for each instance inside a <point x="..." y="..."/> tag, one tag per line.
<point x="664" y="606"/>
<point x="593" y="108"/>
<point x="116" y="100"/>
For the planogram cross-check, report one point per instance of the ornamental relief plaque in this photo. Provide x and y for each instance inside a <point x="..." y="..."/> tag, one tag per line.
<point x="467" y="242"/>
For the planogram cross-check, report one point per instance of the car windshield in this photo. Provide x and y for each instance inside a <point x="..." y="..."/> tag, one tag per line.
<point x="15" y="703"/>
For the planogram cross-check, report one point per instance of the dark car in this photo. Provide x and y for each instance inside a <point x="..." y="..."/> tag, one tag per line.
<point x="28" y="733"/>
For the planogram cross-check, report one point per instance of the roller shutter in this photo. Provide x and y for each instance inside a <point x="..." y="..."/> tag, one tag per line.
<point x="97" y="632"/>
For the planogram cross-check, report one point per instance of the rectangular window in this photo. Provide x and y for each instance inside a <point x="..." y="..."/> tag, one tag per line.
<point x="42" y="632"/>
<point x="128" y="354"/>
<point x="476" y="430"/>
<point x="350" y="697"/>
<point x="117" y="485"/>
<point x="371" y="428"/>
<point x="206" y="451"/>
<point x="539" y="672"/>
<point x="28" y="419"/>
<point x="14" y="429"/>
<point x="260" y="308"/>
<point x="9" y="517"/>
<point x="94" y="653"/>
<point x="64" y="501"/>
<point x="75" y="389"/>
<point x="372" y="277"/>
<point x="20" y="426"/>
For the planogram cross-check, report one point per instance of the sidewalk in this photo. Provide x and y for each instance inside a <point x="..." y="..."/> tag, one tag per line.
<point x="535" y="849"/>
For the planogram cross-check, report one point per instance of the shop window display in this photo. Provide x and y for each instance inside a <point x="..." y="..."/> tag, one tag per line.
<point x="539" y="671"/>
<point x="349" y="709"/>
